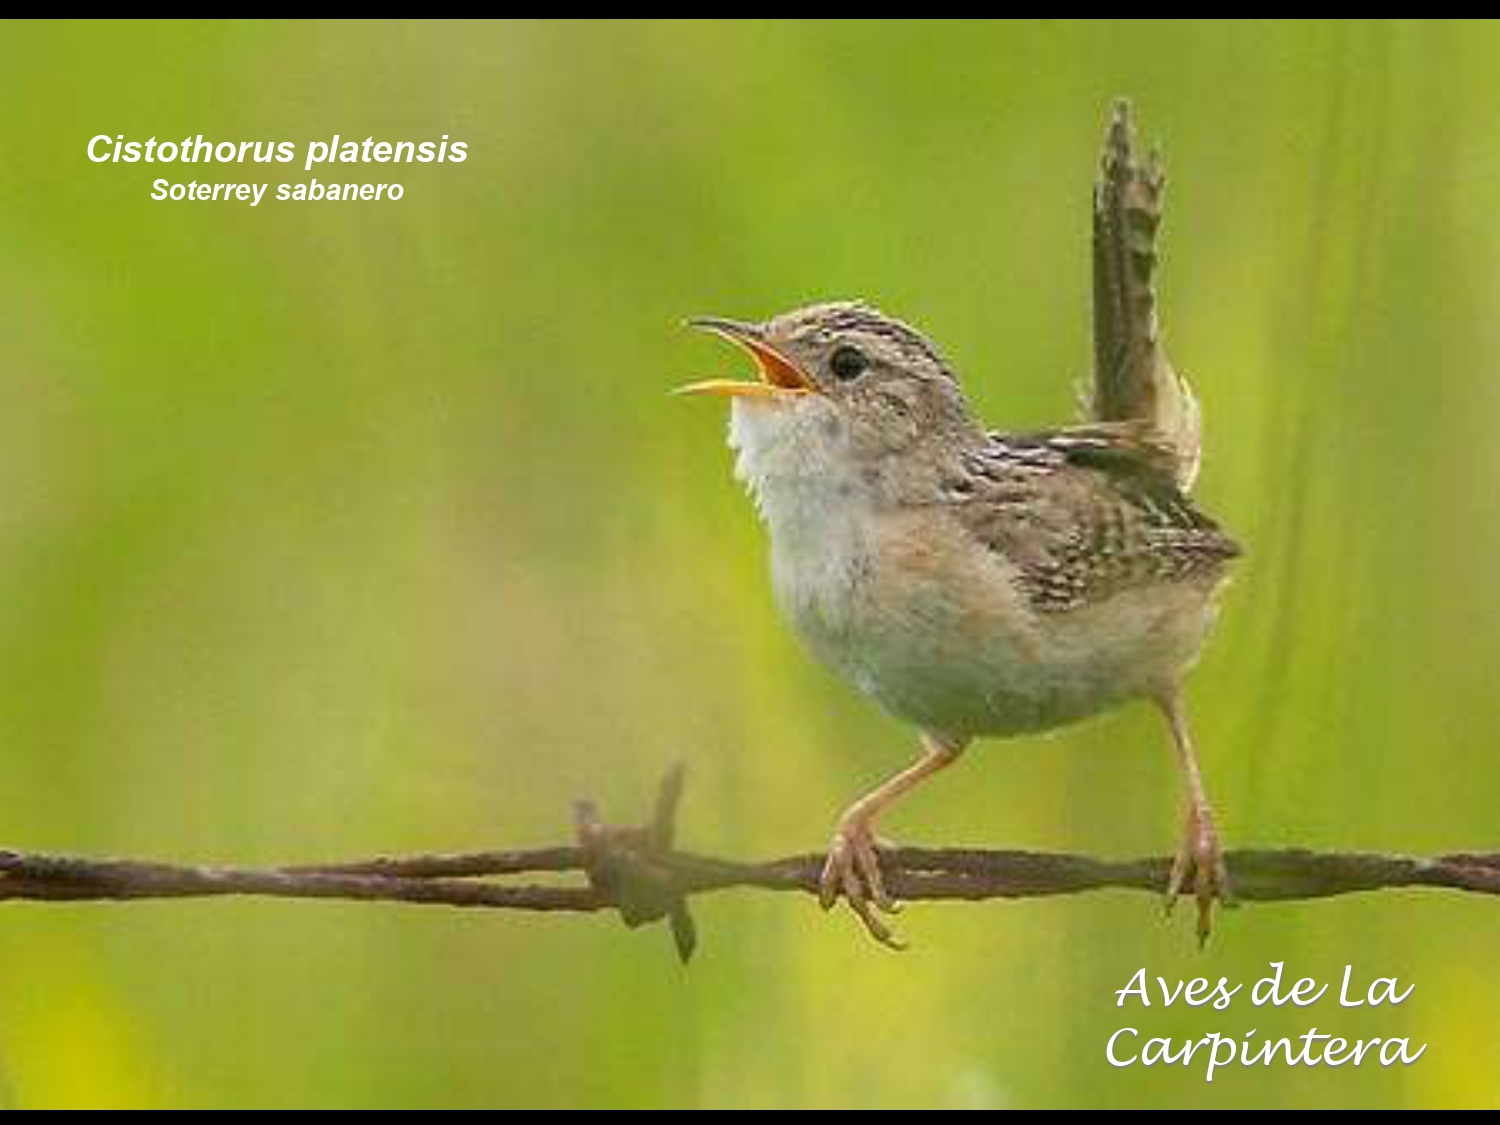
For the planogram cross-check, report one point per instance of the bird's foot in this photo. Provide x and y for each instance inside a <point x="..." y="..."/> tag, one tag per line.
<point x="853" y="871"/>
<point x="1201" y="857"/>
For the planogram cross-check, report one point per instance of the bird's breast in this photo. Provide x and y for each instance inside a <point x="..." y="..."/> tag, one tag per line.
<point x="900" y="603"/>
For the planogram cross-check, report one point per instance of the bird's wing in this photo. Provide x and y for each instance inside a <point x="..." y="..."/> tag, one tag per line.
<point x="1086" y="513"/>
<point x="1133" y="380"/>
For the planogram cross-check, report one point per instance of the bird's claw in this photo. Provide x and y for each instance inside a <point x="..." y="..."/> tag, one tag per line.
<point x="1201" y="857"/>
<point x="853" y="871"/>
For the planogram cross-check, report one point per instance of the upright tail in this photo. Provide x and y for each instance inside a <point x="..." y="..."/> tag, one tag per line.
<point x="1133" y="380"/>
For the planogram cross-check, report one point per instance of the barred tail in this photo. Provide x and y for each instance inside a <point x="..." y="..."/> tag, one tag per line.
<point x="1133" y="380"/>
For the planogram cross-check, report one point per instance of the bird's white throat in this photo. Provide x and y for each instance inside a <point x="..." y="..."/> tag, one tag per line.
<point x="793" y="456"/>
<point x="795" y="460"/>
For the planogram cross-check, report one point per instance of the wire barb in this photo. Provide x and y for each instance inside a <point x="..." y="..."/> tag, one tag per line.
<point x="623" y="865"/>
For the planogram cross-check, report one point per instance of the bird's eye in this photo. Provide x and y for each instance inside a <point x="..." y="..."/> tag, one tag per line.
<point x="848" y="364"/>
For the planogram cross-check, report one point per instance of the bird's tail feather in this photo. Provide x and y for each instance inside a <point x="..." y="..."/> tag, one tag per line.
<point x="1133" y="380"/>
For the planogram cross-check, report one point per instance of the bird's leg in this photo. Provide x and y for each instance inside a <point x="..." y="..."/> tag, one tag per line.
<point x="1199" y="852"/>
<point x="853" y="866"/>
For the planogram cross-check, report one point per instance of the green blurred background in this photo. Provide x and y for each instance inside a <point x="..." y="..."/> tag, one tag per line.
<point x="329" y="529"/>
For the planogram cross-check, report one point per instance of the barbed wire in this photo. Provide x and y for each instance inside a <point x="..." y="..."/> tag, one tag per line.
<point x="640" y="873"/>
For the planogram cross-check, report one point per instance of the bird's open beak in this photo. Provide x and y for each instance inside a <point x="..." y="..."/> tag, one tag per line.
<point x="779" y="376"/>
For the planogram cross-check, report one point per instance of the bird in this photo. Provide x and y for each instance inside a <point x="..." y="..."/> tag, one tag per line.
<point x="979" y="584"/>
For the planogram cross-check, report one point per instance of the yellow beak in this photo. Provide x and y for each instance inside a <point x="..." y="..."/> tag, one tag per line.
<point x="780" y="378"/>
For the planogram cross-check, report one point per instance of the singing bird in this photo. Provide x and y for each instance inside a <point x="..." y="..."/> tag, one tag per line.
<point x="978" y="584"/>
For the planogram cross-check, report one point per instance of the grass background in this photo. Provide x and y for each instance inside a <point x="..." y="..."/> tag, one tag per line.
<point x="336" y="528"/>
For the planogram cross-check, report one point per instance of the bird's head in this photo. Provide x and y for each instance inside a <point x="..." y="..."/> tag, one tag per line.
<point x="854" y="377"/>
